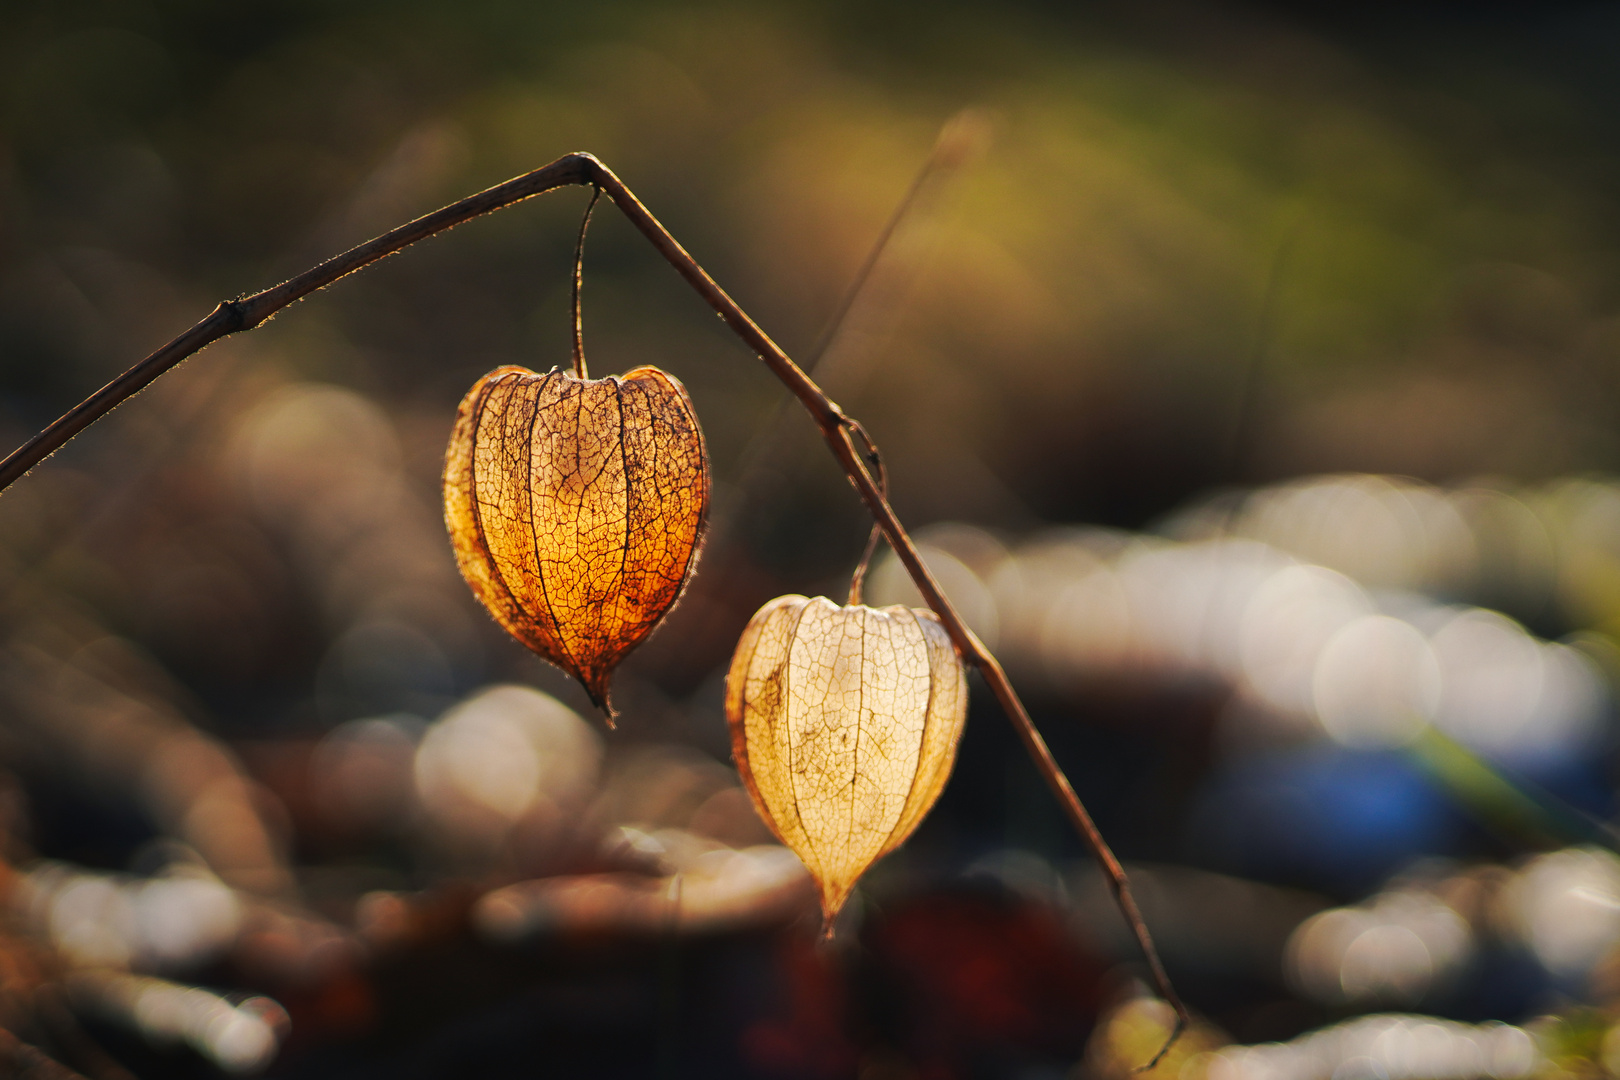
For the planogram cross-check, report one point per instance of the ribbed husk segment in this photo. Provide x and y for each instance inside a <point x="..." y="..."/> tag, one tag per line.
<point x="576" y="508"/>
<point x="844" y="724"/>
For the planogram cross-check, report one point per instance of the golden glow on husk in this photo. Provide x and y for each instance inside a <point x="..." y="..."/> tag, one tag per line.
<point x="576" y="507"/>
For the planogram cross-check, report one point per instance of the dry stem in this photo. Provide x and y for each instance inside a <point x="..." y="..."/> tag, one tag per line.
<point x="836" y="427"/>
<point x="873" y="462"/>
<point x="579" y="279"/>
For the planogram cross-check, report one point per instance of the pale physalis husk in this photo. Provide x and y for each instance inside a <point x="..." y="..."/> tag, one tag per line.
<point x="844" y="725"/>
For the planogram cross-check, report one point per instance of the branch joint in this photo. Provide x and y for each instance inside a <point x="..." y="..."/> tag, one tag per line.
<point x="234" y="314"/>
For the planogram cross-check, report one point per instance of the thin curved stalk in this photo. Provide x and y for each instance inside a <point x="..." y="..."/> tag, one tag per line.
<point x="580" y="370"/>
<point x="234" y="316"/>
<point x="872" y="461"/>
<point x="836" y="428"/>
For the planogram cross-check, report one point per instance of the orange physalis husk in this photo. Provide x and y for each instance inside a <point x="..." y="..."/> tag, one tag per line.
<point x="844" y="724"/>
<point x="576" y="508"/>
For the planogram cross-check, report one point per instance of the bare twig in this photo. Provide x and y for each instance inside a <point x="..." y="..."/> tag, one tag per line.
<point x="836" y="428"/>
<point x="874" y="463"/>
<point x="962" y="137"/>
<point x="244" y="314"/>
<point x="579" y="279"/>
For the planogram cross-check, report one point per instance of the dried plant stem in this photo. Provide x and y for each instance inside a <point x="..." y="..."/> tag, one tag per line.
<point x="838" y="429"/>
<point x="874" y="464"/>
<point x="248" y="312"/>
<point x="857" y="580"/>
<point x="579" y="280"/>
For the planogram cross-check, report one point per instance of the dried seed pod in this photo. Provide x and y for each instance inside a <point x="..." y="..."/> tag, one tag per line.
<point x="844" y="724"/>
<point x="576" y="507"/>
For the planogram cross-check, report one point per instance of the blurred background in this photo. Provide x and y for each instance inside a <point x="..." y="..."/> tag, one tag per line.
<point x="1248" y="372"/>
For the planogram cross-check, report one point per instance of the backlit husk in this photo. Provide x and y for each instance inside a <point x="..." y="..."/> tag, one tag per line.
<point x="576" y="508"/>
<point x="844" y="725"/>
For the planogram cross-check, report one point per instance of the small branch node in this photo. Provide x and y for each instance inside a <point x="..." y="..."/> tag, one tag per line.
<point x="234" y="315"/>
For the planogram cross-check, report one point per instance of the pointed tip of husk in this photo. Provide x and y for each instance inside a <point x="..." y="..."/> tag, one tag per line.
<point x="832" y="904"/>
<point x="598" y="688"/>
<point x="516" y="538"/>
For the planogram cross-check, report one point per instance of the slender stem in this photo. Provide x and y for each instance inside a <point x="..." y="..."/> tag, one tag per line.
<point x="995" y="676"/>
<point x="579" y="277"/>
<point x="247" y="312"/>
<point x="836" y="428"/>
<point x="951" y="148"/>
<point x="857" y="580"/>
<point x="874" y="462"/>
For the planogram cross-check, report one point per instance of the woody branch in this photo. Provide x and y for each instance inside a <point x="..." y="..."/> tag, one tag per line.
<point x="248" y="312"/>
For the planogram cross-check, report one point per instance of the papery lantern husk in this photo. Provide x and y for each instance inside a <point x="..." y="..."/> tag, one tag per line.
<point x="576" y="509"/>
<point x="844" y="725"/>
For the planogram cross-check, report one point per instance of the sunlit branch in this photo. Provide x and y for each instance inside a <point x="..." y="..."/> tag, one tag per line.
<point x="874" y="463"/>
<point x="248" y="312"/>
<point x="836" y="428"/>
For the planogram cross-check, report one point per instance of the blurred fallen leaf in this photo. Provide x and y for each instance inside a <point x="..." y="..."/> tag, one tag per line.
<point x="576" y="507"/>
<point x="844" y="724"/>
<point x="1134" y="1031"/>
